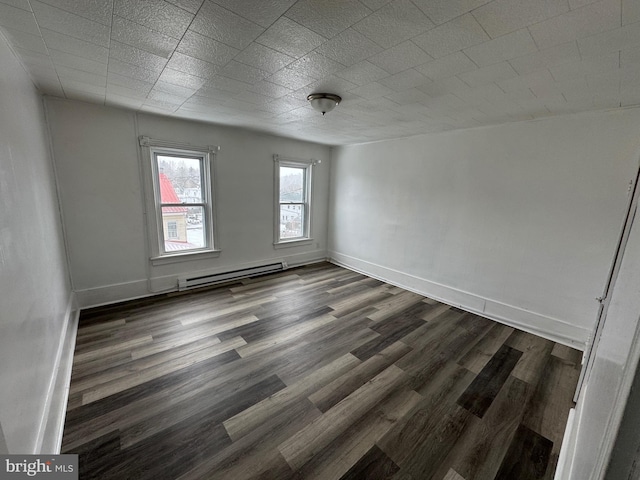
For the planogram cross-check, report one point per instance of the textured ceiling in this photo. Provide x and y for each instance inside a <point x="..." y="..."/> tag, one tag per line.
<point x="402" y="67"/>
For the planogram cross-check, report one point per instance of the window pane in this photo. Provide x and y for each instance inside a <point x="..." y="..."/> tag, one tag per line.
<point x="180" y="179"/>
<point x="291" y="221"/>
<point x="291" y="184"/>
<point x="183" y="228"/>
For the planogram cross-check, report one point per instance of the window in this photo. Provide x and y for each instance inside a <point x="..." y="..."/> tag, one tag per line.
<point x="179" y="200"/>
<point x="293" y="201"/>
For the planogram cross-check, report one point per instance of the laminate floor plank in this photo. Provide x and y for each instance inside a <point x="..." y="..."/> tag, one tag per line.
<point x="313" y="373"/>
<point x="335" y="459"/>
<point x="479" y="356"/>
<point x="480" y="395"/>
<point x="358" y="375"/>
<point x="250" y="418"/>
<point x="482" y="447"/>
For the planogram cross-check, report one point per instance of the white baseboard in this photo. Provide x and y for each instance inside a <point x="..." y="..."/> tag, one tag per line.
<point x="532" y="322"/>
<point x="120" y="292"/>
<point x="53" y="416"/>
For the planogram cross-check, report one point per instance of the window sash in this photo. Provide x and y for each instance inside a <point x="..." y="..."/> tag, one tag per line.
<point x="205" y="194"/>
<point x="306" y="167"/>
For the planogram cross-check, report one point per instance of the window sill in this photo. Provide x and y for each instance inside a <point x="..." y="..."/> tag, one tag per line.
<point x="293" y="243"/>
<point x="184" y="257"/>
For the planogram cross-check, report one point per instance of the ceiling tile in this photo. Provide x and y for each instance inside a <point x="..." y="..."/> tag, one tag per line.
<point x="97" y="10"/>
<point x="64" y="59"/>
<point x="505" y="16"/>
<point x="141" y="37"/>
<point x="73" y="75"/>
<point x="595" y="18"/>
<point x="408" y="97"/>
<point x="256" y="98"/>
<point x="549" y="57"/>
<point x="463" y="32"/>
<point x="315" y="65"/>
<point x="441" y="11"/>
<point x="290" y="79"/>
<point x="349" y="47"/>
<point x="157" y="15"/>
<point x="401" y="57"/>
<point x="176" y="90"/>
<point x="29" y="57"/>
<point x="61" y="21"/>
<point x="508" y="46"/>
<point x="404" y="80"/>
<point x="372" y="90"/>
<point x="25" y="40"/>
<point x="269" y="89"/>
<point x="75" y="46"/>
<point x="181" y="79"/>
<point x="394" y="23"/>
<point x="135" y="56"/>
<point x="630" y="11"/>
<point x="224" y="83"/>
<point x="71" y="87"/>
<point x="575" y="4"/>
<point x="43" y="72"/>
<point x="447" y="66"/>
<point x="492" y="73"/>
<point x="290" y="38"/>
<point x="128" y="70"/>
<point x="568" y="71"/>
<point x="191" y="6"/>
<point x="539" y="78"/>
<point x="205" y="48"/>
<point x="264" y="58"/>
<point x="21" y="4"/>
<point x="331" y="84"/>
<point x="611" y="41"/>
<point x="245" y="73"/>
<point x="122" y="101"/>
<point x="127" y="88"/>
<point x="262" y="12"/>
<point x="446" y="85"/>
<point x="328" y="17"/>
<point x="225" y="26"/>
<point x="18" y="19"/>
<point x="362" y="73"/>
<point x="193" y="66"/>
<point x="375" y="4"/>
<point x="163" y="99"/>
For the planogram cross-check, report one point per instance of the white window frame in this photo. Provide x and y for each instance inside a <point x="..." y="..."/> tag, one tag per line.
<point x="306" y="204"/>
<point x="150" y="150"/>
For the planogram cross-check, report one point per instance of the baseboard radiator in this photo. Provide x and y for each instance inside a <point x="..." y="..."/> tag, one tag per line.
<point x="186" y="283"/>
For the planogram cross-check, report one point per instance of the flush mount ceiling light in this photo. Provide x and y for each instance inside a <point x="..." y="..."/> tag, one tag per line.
<point x="324" y="102"/>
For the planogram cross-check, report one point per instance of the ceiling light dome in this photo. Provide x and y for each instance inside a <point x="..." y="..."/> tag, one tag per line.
<point x="324" y="102"/>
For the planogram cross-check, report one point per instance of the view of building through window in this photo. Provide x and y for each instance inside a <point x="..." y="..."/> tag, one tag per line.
<point x="292" y="198"/>
<point x="180" y="181"/>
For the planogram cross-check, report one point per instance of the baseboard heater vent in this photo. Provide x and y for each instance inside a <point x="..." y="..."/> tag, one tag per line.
<point x="187" y="283"/>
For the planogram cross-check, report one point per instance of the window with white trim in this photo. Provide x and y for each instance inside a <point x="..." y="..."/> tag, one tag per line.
<point x="180" y="200"/>
<point x="293" y="200"/>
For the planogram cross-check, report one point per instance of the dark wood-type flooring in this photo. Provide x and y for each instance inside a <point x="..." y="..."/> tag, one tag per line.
<point x="313" y="373"/>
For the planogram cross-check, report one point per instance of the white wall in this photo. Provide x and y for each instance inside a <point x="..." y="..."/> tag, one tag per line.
<point x="96" y="154"/>
<point x="34" y="288"/>
<point x="517" y="221"/>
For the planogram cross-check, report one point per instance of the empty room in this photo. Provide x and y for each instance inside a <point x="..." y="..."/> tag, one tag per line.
<point x="320" y="239"/>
